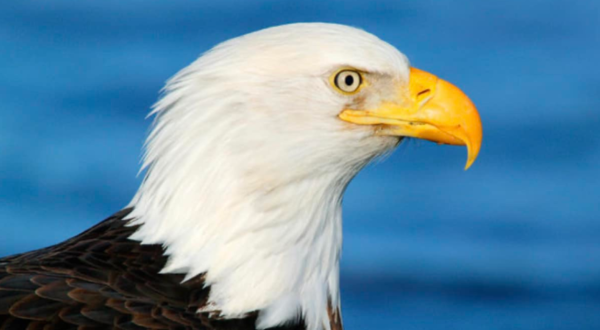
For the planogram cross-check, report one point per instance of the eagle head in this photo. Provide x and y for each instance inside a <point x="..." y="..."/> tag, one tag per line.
<point x="252" y="147"/>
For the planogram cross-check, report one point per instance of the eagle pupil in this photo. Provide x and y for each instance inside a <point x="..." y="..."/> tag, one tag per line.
<point x="349" y="80"/>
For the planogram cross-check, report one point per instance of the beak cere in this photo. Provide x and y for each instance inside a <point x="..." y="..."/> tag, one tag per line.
<point x="436" y="111"/>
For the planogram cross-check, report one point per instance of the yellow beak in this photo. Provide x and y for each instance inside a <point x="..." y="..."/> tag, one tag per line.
<point x="434" y="110"/>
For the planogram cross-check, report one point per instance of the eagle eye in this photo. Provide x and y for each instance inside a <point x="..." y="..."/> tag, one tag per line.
<point x="348" y="81"/>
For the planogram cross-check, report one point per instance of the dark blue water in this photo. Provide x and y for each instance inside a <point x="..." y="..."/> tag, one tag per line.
<point x="513" y="243"/>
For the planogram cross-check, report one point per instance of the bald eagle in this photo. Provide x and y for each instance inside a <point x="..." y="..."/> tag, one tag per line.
<point x="237" y="223"/>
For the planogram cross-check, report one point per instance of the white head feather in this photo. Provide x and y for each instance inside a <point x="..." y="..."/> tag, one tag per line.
<point x="247" y="163"/>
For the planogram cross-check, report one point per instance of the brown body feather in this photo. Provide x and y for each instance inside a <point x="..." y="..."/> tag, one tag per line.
<point x="102" y="280"/>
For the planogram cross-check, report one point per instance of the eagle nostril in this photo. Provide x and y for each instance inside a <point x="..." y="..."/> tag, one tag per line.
<point x="423" y="93"/>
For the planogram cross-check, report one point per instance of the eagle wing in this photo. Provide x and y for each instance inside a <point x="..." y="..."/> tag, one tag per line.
<point x="102" y="280"/>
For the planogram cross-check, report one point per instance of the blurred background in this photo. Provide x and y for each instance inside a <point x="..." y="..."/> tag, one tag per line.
<point x="513" y="243"/>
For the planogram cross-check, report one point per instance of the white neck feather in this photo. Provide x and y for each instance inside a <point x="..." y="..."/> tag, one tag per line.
<point x="275" y="249"/>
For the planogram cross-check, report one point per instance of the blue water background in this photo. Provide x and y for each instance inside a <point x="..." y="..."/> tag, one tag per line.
<point x="513" y="243"/>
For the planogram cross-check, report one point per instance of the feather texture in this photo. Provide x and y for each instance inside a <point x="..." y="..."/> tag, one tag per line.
<point x="102" y="280"/>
